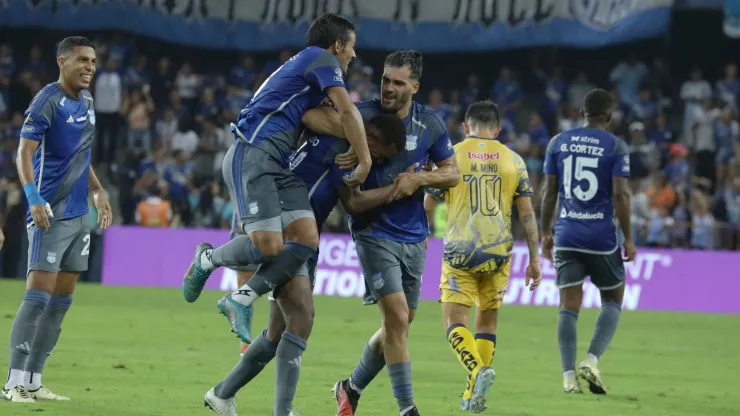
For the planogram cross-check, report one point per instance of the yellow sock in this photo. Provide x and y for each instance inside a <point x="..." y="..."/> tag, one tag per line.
<point x="486" y="346"/>
<point x="464" y="346"/>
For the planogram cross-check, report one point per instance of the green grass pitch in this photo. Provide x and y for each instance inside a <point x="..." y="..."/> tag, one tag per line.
<point x="134" y="352"/>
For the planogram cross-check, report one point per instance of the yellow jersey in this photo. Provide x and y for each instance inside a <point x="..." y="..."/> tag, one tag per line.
<point x="478" y="234"/>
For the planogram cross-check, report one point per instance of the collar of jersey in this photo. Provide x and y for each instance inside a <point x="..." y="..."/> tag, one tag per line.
<point x="482" y="138"/>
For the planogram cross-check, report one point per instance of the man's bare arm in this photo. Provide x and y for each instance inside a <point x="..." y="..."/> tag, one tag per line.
<point x="92" y="181"/>
<point x="24" y="160"/>
<point x="356" y="201"/>
<point x="529" y="222"/>
<point x="447" y="175"/>
<point x="620" y="190"/>
<point x="549" y="202"/>
<point x="351" y="122"/>
<point x="430" y="205"/>
<point x="324" y="120"/>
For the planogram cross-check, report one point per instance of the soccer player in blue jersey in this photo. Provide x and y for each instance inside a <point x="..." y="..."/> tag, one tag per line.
<point x="54" y="166"/>
<point x="390" y="239"/>
<point x="272" y="202"/>
<point x="588" y="170"/>
<point x="314" y="164"/>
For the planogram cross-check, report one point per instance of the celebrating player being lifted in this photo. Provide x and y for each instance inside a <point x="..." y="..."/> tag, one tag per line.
<point x="587" y="169"/>
<point x="54" y="166"/>
<point x="478" y="244"/>
<point x="272" y="202"/>
<point x="390" y="239"/>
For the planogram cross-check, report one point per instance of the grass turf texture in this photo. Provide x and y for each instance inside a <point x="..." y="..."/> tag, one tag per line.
<point x="126" y="352"/>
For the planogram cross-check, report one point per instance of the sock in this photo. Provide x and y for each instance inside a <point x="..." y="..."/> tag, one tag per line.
<point x="400" y="374"/>
<point x="571" y="374"/>
<point x="47" y="334"/>
<point x="254" y="360"/>
<point x="276" y="273"/>
<point x="486" y="346"/>
<point x="606" y="326"/>
<point x="23" y="332"/>
<point x="287" y="370"/>
<point x="369" y="366"/>
<point x="31" y="381"/>
<point x="240" y="251"/>
<point x="567" y="339"/>
<point x="463" y="345"/>
<point x="15" y="378"/>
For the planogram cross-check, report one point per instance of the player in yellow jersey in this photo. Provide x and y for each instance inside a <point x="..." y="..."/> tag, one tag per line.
<point x="478" y="244"/>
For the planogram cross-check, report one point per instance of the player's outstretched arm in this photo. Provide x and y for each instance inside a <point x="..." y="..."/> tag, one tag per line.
<point x="324" y="120"/>
<point x="354" y="129"/>
<point x="105" y="212"/>
<point x="39" y="208"/>
<point x="447" y="175"/>
<point x="621" y="197"/>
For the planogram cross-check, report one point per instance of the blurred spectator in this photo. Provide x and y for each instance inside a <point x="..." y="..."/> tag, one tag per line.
<point x="108" y="96"/>
<point x="645" y="108"/>
<point x="471" y="91"/>
<point x="177" y="175"/>
<point x="728" y="88"/>
<point x="162" y="82"/>
<point x="243" y="75"/>
<point x="137" y="76"/>
<point x="437" y="104"/>
<point x="677" y="170"/>
<point x="627" y="76"/>
<point x="187" y="83"/>
<point x="136" y="108"/>
<point x="727" y="136"/>
<point x="578" y="89"/>
<point x="155" y="211"/>
<point x="694" y="92"/>
<point x="702" y="221"/>
<point x="643" y="155"/>
<point x="701" y="138"/>
<point x="507" y="93"/>
<point x="185" y="139"/>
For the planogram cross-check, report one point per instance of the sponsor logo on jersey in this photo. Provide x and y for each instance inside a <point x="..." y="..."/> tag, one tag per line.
<point x="483" y="156"/>
<point x="573" y="215"/>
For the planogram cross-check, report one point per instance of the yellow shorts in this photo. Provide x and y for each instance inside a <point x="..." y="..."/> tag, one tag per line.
<point x="484" y="289"/>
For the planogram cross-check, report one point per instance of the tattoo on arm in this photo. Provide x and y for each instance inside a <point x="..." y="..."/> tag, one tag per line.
<point x="529" y="221"/>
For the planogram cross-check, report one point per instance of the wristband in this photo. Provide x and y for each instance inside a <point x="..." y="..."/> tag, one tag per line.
<point x="32" y="195"/>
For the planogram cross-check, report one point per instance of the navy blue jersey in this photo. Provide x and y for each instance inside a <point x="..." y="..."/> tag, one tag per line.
<point x="314" y="163"/>
<point x="585" y="160"/>
<point x="272" y="119"/>
<point x="64" y="127"/>
<point x="404" y="221"/>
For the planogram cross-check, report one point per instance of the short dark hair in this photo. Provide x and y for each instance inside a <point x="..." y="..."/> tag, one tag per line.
<point x="328" y="29"/>
<point x="392" y="130"/>
<point x="410" y="58"/>
<point x="69" y="43"/>
<point x="598" y="103"/>
<point x="482" y="112"/>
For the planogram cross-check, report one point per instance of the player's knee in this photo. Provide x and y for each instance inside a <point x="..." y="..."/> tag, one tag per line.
<point x="396" y="322"/>
<point x="303" y="231"/>
<point x="269" y="244"/>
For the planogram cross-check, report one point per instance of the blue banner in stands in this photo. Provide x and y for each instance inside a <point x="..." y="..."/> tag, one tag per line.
<point x="426" y="25"/>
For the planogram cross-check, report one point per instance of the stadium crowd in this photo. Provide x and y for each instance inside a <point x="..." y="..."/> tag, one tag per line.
<point x="162" y="131"/>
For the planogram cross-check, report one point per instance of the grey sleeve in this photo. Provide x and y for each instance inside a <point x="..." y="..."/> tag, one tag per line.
<point x="39" y="116"/>
<point x="324" y="71"/>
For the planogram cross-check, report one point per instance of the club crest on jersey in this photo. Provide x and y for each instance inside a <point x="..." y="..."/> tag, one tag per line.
<point x="338" y="77"/>
<point x="91" y="116"/>
<point x="51" y="257"/>
<point x="411" y="142"/>
<point x="253" y="208"/>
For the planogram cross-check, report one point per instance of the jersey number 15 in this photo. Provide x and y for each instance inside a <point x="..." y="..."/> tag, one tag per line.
<point x="485" y="194"/>
<point x="582" y="173"/>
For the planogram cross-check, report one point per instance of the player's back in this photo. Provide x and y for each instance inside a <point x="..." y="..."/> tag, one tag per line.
<point x="314" y="164"/>
<point x="585" y="161"/>
<point x="478" y="235"/>
<point x="271" y="120"/>
<point x="64" y="127"/>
